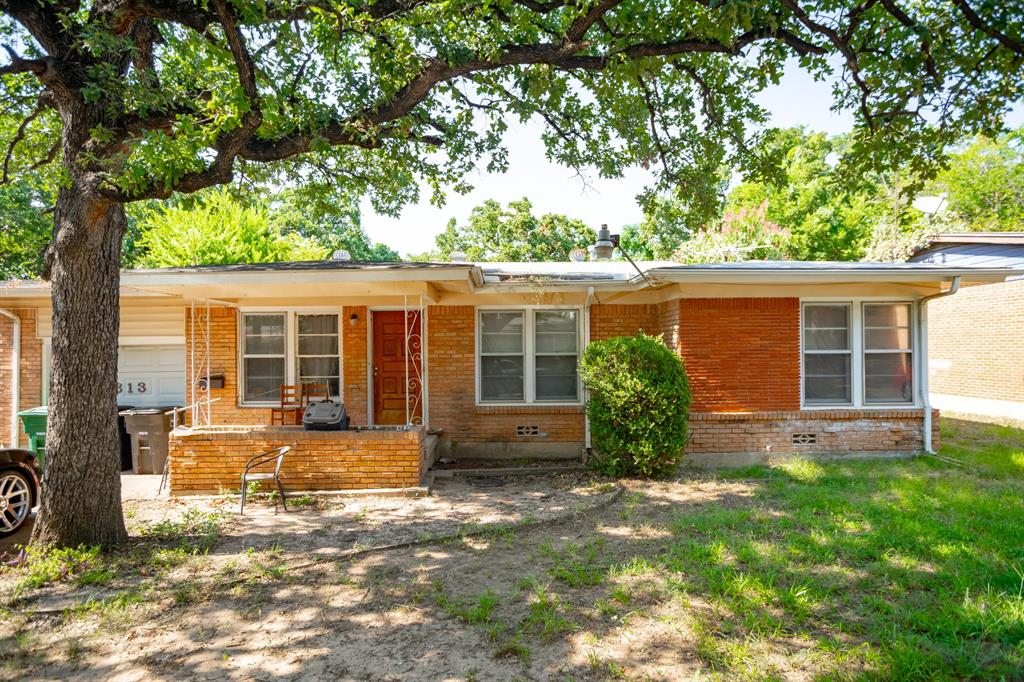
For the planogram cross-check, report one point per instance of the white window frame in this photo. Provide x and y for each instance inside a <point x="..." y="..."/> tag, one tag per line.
<point x="857" y="377"/>
<point x="529" y="355"/>
<point x="291" y="348"/>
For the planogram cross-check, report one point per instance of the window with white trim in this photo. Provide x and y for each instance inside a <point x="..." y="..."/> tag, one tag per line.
<point x="858" y="353"/>
<point x="264" y="356"/>
<point x="888" y="353"/>
<point x="828" y="355"/>
<point x="288" y="347"/>
<point x="529" y="355"/>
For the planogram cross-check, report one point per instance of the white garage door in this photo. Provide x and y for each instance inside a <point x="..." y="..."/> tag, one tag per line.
<point x="151" y="376"/>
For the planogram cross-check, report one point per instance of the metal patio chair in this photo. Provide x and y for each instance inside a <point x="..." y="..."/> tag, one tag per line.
<point x="277" y="456"/>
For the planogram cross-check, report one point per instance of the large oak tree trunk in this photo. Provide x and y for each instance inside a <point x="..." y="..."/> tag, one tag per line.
<point x="81" y="500"/>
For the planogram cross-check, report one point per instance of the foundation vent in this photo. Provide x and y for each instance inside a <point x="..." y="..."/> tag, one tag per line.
<point x="532" y="430"/>
<point x="805" y="439"/>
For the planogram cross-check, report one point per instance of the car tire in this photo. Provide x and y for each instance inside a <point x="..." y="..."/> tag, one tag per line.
<point x="15" y="501"/>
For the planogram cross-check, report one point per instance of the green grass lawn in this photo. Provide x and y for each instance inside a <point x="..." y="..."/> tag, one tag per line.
<point x="882" y="569"/>
<point x="918" y="563"/>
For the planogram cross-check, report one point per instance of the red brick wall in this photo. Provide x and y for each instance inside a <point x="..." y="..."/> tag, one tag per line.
<point x="223" y="360"/>
<point x="30" y="373"/>
<point x="837" y="431"/>
<point x="211" y="462"/>
<point x="451" y="365"/>
<point x="354" y="363"/>
<point x="976" y="342"/>
<point x="741" y="354"/>
<point x="608" y="320"/>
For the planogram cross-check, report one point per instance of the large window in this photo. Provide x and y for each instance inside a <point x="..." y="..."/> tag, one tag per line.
<point x="288" y="348"/>
<point x="264" y="349"/>
<point x="529" y="355"/>
<point x="888" y="353"/>
<point x="858" y="354"/>
<point x="827" y="355"/>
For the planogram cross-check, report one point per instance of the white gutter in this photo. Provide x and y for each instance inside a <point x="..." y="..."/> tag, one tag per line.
<point x="922" y="330"/>
<point x="15" y="375"/>
<point x="586" y="341"/>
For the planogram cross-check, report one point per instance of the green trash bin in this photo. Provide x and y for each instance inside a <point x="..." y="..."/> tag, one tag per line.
<point x="34" y="421"/>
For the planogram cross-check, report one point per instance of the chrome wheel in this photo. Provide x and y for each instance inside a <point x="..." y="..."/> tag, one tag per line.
<point x="15" y="501"/>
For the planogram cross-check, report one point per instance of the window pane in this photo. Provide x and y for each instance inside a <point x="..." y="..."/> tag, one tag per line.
<point x="311" y="368"/>
<point x="887" y="326"/>
<point x="826" y="316"/>
<point x="318" y="345"/>
<point x="888" y="378"/>
<point x="556" y="331"/>
<point x="501" y="332"/>
<point x="263" y="379"/>
<point x="826" y="339"/>
<point x="887" y="339"/>
<point x="826" y="327"/>
<point x="887" y="315"/>
<point x="501" y="378"/>
<point x="318" y="324"/>
<point x="827" y="378"/>
<point x="556" y="377"/>
<point x="264" y="335"/>
<point x="553" y="321"/>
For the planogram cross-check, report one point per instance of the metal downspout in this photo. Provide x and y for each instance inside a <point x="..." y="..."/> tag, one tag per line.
<point x="15" y="375"/>
<point x="586" y="341"/>
<point x="922" y="331"/>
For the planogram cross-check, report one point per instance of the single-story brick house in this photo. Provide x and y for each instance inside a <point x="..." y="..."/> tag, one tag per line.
<point x="976" y="338"/>
<point x="783" y="357"/>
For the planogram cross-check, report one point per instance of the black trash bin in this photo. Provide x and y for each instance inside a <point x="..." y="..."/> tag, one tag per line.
<point x="148" y="428"/>
<point x="126" y="440"/>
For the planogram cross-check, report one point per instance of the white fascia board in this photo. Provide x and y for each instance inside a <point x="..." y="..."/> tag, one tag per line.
<point x="784" y="275"/>
<point x="142" y="278"/>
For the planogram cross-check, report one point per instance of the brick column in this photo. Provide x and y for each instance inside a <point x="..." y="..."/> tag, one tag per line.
<point x="354" y="356"/>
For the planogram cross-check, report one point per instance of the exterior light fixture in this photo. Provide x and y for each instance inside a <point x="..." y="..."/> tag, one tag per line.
<point x="353" y="319"/>
<point x="604" y="247"/>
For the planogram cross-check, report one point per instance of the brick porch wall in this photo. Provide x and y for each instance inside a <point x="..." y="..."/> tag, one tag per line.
<point x="211" y="462"/>
<point x="354" y="363"/>
<point x="30" y="370"/>
<point x="976" y="342"/>
<point x="837" y="431"/>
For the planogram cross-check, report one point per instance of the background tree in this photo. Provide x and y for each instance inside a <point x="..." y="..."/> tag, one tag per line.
<point x="741" y="235"/>
<point x="218" y="230"/>
<point x="828" y="215"/>
<point x="493" y="233"/>
<point x="984" y="183"/>
<point x="153" y="97"/>
<point x="329" y="219"/>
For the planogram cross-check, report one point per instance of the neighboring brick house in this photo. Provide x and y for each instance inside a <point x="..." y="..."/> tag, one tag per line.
<point x="783" y="357"/>
<point x="976" y="338"/>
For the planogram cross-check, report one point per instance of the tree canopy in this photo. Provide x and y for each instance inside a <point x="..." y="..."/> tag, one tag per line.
<point x="217" y="229"/>
<point x="984" y="183"/>
<point x="494" y="233"/>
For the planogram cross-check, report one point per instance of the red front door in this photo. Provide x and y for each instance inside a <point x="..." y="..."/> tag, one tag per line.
<point x="396" y="380"/>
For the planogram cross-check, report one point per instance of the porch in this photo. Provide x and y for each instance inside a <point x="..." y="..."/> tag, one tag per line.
<point x="209" y="460"/>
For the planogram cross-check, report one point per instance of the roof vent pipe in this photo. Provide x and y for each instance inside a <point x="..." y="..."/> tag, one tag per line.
<point x="341" y="254"/>
<point x="457" y="257"/>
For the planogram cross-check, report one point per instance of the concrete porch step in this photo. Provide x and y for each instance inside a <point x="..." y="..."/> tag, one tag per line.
<point x="507" y="471"/>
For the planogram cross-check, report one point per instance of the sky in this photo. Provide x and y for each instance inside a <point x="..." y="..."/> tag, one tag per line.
<point x="797" y="100"/>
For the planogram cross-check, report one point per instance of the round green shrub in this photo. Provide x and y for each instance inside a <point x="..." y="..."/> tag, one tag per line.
<point x="638" y="407"/>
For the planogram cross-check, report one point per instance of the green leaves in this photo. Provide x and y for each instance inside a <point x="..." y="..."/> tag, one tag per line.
<point x="494" y="233"/>
<point x="638" y="407"/>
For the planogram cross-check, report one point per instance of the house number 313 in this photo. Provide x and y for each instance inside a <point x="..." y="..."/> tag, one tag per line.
<point x="136" y="387"/>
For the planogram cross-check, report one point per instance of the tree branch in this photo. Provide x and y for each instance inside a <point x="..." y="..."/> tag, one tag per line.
<point x="1012" y="44"/>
